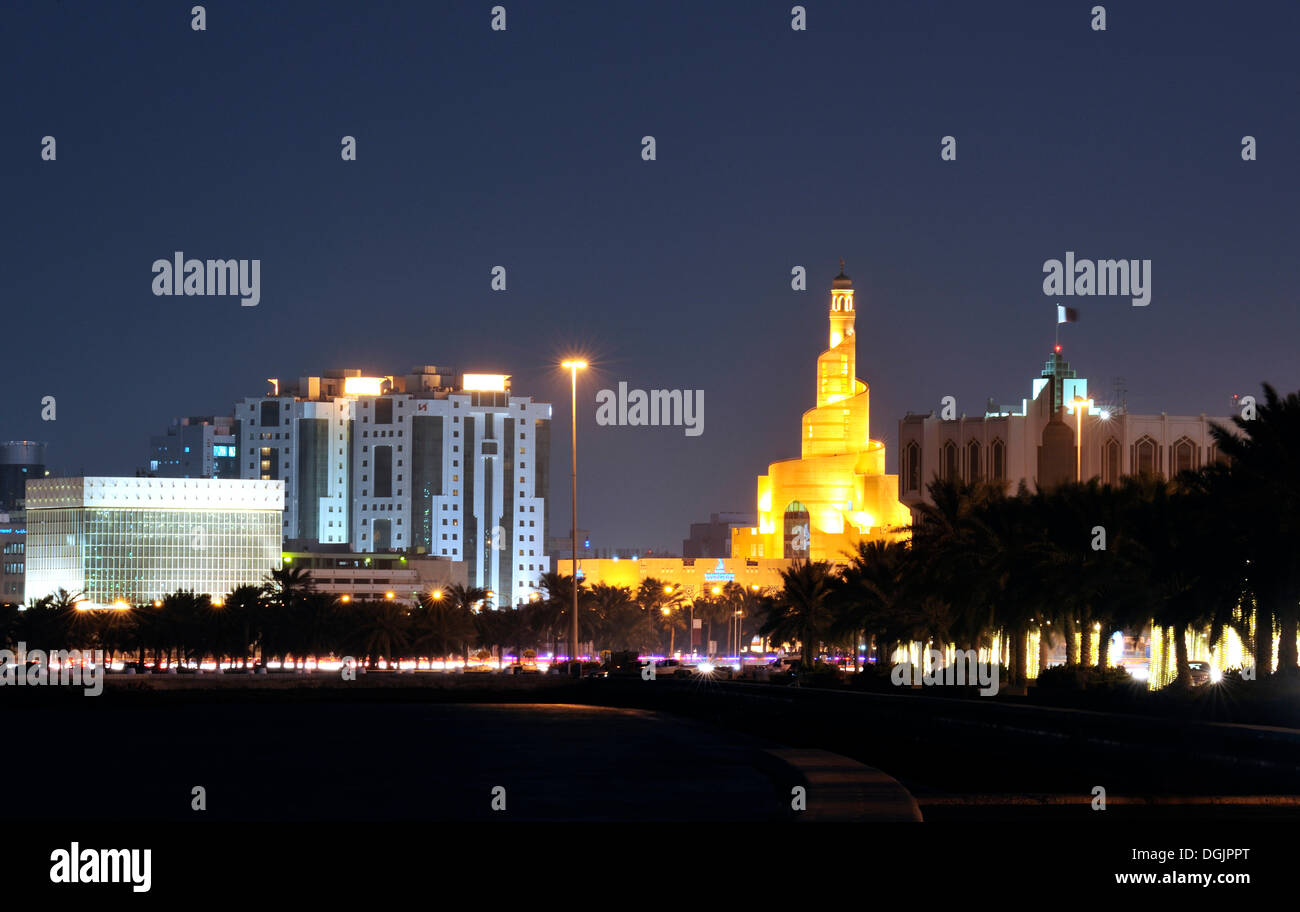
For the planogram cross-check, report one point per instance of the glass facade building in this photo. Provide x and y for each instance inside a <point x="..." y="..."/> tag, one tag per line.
<point x="139" y="539"/>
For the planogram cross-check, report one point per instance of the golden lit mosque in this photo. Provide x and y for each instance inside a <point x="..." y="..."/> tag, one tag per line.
<point x="819" y="506"/>
<point x="816" y="507"/>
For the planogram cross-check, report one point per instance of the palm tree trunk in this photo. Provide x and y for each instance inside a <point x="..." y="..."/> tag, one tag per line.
<point x="1020" y="657"/>
<point x="1263" y="640"/>
<point x="1180" y="654"/>
<point x="1286" y="650"/>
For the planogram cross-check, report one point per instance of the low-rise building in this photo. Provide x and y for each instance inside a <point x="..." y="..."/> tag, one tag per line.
<point x="1035" y="441"/>
<point x="362" y="576"/>
<point x="13" y="557"/>
<point x="134" y="540"/>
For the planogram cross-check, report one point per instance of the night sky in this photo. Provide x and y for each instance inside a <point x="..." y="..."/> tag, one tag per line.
<point x="523" y="149"/>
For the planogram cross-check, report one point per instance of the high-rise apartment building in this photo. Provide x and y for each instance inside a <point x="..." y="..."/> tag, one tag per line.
<point x="413" y="463"/>
<point x="195" y="447"/>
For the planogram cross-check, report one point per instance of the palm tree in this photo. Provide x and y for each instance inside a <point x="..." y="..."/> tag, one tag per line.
<point x="48" y="621"/>
<point x="1262" y="461"/>
<point x="384" y="630"/>
<point x="559" y="607"/>
<point x="443" y="627"/>
<point x="520" y="628"/>
<point x="868" y="600"/>
<point x="462" y="602"/>
<point x="283" y="586"/>
<point x="662" y="604"/>
<point x="240" y="616"/>
<point x="282" y="591"/>
<point x="623" y="624"/>
<point x="801" y="609"/>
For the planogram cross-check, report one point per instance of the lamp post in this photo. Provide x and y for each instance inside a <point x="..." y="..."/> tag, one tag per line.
<point x="1079" y="404"/>
<point x="573" y="367"/>
<point x="717" y="596"/>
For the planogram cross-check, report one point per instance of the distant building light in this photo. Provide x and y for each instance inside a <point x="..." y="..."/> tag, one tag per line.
<point x="363" y="386"/>
<point x="487" y="383"/>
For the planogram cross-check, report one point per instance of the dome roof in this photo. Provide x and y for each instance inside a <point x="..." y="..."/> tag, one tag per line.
<point x="841" y="280"/>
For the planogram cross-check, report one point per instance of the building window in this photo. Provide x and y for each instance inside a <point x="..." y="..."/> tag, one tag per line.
<point x="997" y="461"/>
<point x="948" y="461"/>
<point x="973" y="460"/>
<point x="1182" y="456"/>
<point x="1145" y="456"/>
<point x="1110" y="462"/>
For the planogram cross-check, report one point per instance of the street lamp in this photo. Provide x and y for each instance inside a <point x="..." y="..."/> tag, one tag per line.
<point x="573" y="366"/>
<point x="1079" y="404"/>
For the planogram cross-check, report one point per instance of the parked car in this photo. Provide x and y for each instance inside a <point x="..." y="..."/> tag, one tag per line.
<point x="518" y="669"/>
<point x="784" y="670"/>
<point x="1200" y="673"/>
<point x="586" y="670"/>
<point x="671" y="667"/>
<point x="717" y="671"/>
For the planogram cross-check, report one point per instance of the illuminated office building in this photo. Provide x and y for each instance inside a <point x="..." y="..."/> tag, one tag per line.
<point x="413" y="463"/>
<point x="198" y="447"/>
<point x="134" y="540"/>
<point x="836" y="494"/>
<point x="13" y="556"/>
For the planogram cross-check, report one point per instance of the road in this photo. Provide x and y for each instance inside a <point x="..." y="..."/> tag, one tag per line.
<point x="370" y="762"/>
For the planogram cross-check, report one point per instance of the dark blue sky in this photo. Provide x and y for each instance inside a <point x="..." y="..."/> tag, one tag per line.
<point x="522" y="148"/>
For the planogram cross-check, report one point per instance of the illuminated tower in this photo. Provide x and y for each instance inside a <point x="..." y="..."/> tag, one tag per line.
<point x="837" y="493"/>
<point x="839" y="422"/>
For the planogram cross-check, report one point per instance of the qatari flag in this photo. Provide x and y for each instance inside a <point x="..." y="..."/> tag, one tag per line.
<point x="1066" y="314"/>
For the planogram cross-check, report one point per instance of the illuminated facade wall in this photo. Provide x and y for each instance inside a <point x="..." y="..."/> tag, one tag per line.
<point x="138" y="539"/>
<point x="695" y="577"/>
<point x="463" y="476"/>
<point x="307" y="445"/>
<point x="1003" y="445"/>
<point x="821" y="505"/>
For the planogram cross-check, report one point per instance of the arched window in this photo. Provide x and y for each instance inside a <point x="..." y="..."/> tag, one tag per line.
<point x="973" y="460"/>
<point x="1110" y="462"/>
<point x="797" y="532"/>
<point x="1145" y="456"/>
<point x="912" y="467"/>
<point x="948" y="462"/>
<point x="1182" y="456"/>
<point x="997" y="461"/>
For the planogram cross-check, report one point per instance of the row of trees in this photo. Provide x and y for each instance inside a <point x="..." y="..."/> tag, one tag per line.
<point x="1213" y="549"/>
<point x="287" y="618"/>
